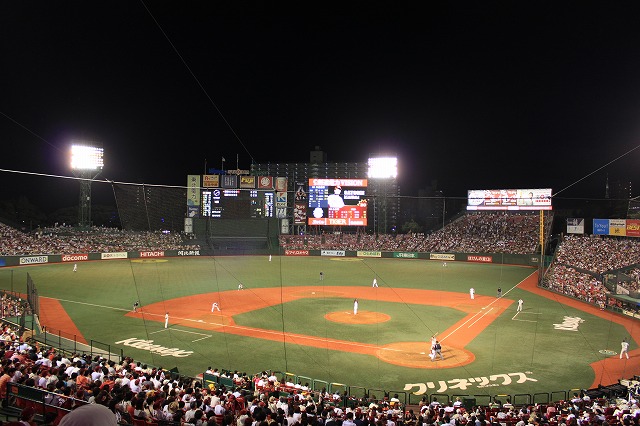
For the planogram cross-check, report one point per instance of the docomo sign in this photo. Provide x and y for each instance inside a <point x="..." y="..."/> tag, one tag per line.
<point x="74" y="257"/>
<point x="296" y="252"/>
<point x="151" y="254"/>
<point x="485" y="259"/>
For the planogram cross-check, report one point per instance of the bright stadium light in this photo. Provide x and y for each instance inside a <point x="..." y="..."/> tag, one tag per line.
<point x="383" y="168"/>
<point x="86" y="162"/>
<point x="85" y="157"/>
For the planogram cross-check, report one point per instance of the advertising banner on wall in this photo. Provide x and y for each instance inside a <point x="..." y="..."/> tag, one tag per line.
<point x="483" y="259"/>
<point x="229" y="181"/>
<point x="301" y="192"/>
<point x="340" y="253"/>
<point x="296" y="252"/>
<point x="281" y="184"/>
<point x="575" y="225"/>
<point x="442" y="256"/>
<point x="265" y="182"/>
<point x="633" y="227"/>
<point x="193" y="195"/>
<point x="248" y="182"/>
<point x="405" y="255"/>
<point x="618" y="227"/>
<point x="299" y="214"/>
<point x="601" y="226"/>
<point x="211" y="181"/>
<point x="364" y="253"/>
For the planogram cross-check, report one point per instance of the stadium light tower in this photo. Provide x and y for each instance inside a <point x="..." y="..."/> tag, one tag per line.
<point x="382" y="171"/>
<point x="86" y="163"/>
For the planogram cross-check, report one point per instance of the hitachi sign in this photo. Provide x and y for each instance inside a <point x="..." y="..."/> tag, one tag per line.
<point x="151" y="254"/>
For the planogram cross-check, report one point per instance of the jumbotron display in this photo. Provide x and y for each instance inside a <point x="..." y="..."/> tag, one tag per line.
<point x="337" y="202"/>
<point x="509" y="199"/>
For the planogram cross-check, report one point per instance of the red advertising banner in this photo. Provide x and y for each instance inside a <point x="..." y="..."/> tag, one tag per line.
<point x="296" y="252"/>
<point x="485" y="259"/>
<point x="633" y="227"/>
<point x="265" y="182"/>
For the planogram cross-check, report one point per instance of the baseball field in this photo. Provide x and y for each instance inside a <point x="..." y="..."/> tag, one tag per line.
<point x="280" y="315"/>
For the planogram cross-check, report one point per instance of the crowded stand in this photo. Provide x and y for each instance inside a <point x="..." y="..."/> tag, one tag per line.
<point x="68" y="240"/>
<point x="486" y="233"/>
<point x="598" y="254"/>
<point x="634" y="283"/>
<point x="472" y="233"/>
<point x="581" y="261"/>
<point x="579" y="285"/>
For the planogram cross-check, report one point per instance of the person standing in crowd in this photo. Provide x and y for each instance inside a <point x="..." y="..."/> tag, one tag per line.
<point x="355" y="306"/>
<point x="472" y="293"/>
<point x="375" y="282"/>
<point x="520" y="303"/>
<point x="624" y="348"/>
<point x="166" y="320"/>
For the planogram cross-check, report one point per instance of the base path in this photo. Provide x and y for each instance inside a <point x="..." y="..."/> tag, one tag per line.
<point x="195" y="311"/>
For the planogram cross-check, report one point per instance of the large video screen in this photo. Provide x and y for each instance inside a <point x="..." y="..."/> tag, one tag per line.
<point x="337" y="202"/>
<point x="509" y="199"/>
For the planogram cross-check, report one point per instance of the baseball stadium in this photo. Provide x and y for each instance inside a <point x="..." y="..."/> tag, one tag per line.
<point x="250" y="285"/>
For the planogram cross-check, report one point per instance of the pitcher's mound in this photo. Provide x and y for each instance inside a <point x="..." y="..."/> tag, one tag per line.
<point x="416" y="355"/>
<point x="363" y="317"/>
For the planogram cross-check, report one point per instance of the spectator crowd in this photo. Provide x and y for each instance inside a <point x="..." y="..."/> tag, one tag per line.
<point x="68" y="240"/>
<point x="471" y="233"/>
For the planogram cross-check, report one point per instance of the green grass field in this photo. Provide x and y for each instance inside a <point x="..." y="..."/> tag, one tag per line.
<point x="526" y="354"/>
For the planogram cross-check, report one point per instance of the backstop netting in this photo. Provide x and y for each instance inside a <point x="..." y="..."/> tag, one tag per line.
<point x="145" y="207"/>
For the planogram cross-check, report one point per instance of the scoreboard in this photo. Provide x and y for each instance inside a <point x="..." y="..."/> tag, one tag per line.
<point x="221" y="203"/>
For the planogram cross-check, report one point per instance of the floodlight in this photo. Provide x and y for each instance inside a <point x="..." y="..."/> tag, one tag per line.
<point x="383" y="168"/>
<point x="86" y="163"/>
<point x="85" y="157"/>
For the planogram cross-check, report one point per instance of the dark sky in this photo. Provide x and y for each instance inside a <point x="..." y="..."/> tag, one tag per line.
<point x="474" y="95"/>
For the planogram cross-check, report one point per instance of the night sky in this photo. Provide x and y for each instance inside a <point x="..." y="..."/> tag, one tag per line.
<point x="474" y="95"/>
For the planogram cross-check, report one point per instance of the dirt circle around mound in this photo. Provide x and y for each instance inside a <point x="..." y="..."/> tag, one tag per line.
<point x="416" y="355"/>
<point x="363" y="317"/>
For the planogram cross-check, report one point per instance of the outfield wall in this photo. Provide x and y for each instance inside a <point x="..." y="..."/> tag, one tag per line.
<point x="495" y="258"/>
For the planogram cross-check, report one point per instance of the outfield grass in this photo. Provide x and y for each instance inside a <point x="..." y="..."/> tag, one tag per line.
<point x="100" y="294"/>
